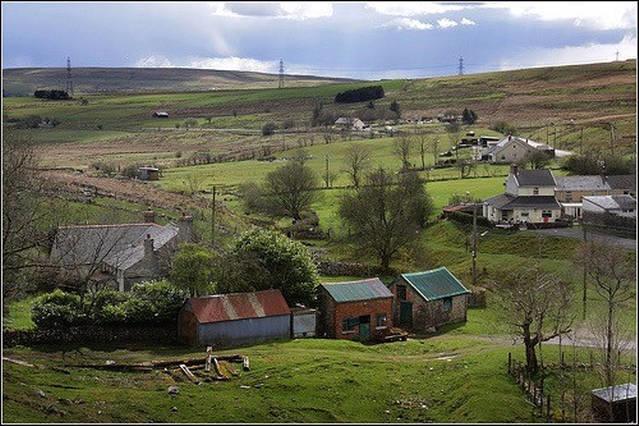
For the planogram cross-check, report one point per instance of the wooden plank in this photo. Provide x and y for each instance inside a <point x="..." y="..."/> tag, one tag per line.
<point x="188" y="373"/>
<point x="207" y="366"/>
<point x="245" y="364"/>
<point x="18" y="362"/>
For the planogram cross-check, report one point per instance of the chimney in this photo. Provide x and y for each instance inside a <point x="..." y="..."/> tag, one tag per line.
<point x="149" y="216"/>
<point x="185" y="228"/>
<point x="514" y="169"/>
<point x="509" y="137"/>
<point x="148" y="246"/>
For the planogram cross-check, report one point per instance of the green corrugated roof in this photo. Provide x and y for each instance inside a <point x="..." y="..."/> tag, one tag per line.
<point x="352" y="291"/>
<point x="435" y="284"/>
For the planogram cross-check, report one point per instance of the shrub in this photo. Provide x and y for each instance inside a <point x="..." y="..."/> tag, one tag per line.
<point x="163" y="298"/>
<point x="57" y="310"/>
<point x="268" y="128"/>
<point x="54" y="95"/>
<point x="289" y="123"/>
<point x="360" y="95"/>
<point x="504" y="128"/>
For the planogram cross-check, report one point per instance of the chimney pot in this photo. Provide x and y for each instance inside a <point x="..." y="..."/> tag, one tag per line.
<point x="149" y="216"/>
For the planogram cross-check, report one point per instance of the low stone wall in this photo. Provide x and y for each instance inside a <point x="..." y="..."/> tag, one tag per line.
<point x="91" y="335"/>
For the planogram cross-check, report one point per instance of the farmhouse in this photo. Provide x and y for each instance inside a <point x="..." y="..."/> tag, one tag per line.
<point x="529" y="198"/>
<point x="161" y="114"/>
<point x="358" y="310"/>
<point x="622" y="184"/>
<point x="512" y="149"/>
<point x="571" y="189"/>
<point x="350" y="123"/>
<point x="427" y="300"/>
<point x="122" y="254"/>
<point x="234" y="319"/>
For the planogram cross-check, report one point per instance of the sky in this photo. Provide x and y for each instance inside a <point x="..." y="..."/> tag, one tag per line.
<point x="370" y="40"/>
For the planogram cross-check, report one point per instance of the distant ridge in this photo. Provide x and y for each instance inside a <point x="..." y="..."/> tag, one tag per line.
<point x="24" y="81"/>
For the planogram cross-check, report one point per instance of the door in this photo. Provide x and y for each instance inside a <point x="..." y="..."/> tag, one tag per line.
<point x="364" y="327"/>
<point x="405" y="313"/>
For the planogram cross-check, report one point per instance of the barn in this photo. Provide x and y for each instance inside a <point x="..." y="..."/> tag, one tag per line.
<point x="234" y="319"/>
<point x="427" y="300"/>
<point x="358" y="310"/>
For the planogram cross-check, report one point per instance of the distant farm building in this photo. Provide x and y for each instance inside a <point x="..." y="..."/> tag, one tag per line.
<point x="235" y="319"/>
<point x="148" y="173"/>
<point x="161" y="114"/>
<point x="303" y="322"/>
<point x="616" y="404"/>
<point x="350" y="123"/>
<point x="358" y="310"/>
<point x="427" y="300"/>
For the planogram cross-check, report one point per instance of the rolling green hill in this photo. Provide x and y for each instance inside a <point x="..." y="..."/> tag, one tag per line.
<point x="24" y="81"/>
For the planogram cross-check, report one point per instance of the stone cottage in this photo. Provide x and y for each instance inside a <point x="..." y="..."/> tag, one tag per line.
<point x="119" y="255"/>
<point x="425" y="301"/>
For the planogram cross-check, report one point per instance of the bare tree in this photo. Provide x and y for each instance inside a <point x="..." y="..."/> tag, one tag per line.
<point x="422" y="149"/>
<point x="465" y="167"/>
<point x="434" y="149"/>
<point x="402" y="150"/>
<point x="358" y="159"/>
<point x="536" y="306"/>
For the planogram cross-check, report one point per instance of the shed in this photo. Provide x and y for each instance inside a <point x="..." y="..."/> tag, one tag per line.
<point x="429" y="299"/>
<point x="358" y="310"/>
<point x="148" y="173"/>
<point x="235" y="319"/>
<point x="303" y="322"/>
<point x="161" y="114"/>
<point x="620" y="401"/>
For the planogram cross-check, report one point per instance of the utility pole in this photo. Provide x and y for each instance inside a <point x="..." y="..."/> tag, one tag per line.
<point x="461" y="66"/>
<point x="281" y="79"/>
<point x="585" y="273"/>
<point x="581" y="142"/>
<point x="328" y="176"/>
<point x="474" y="244"/>
<point x="617" y="56"/>
<point x="69" y="88"/>
<point x="213" y="218"/>
<point x="612" y="138"/>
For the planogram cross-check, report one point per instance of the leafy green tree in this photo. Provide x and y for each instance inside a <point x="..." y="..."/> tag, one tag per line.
<point x="263" y="259"/>
<point x="268" y="128"/>
<point x="386" y="214"/>
<point x="291" y="188"/>
<point x="394" y="106"/>
<point x="192" y="269"/>
<point x="469" y="116"/>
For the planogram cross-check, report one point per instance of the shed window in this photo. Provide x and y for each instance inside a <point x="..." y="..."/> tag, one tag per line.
<point x="381" y="320"/>
<point x="349" y="324"/>
<point x="447" y="304"/>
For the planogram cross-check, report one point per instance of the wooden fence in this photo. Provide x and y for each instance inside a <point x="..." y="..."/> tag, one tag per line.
<point x="533" y="390"/>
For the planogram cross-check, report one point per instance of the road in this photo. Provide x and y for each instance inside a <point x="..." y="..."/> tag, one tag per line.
<point x="577" y="233"/>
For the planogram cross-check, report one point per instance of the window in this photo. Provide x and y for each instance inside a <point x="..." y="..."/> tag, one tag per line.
<point x="401" y="292"/>
<point x="546" y="213"/>
<point x="568" y="196"/>
<point x="447" y="304"/>
<point x="535" y="191"/>
<point x="524" y="214"/>
<point x="349" y="324"/>
<point x="381" y="320"/>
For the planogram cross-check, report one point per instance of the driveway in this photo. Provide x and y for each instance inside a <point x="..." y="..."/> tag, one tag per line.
<point x="577" y="233"/>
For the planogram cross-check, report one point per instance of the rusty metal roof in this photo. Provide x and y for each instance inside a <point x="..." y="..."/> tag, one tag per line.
<point x="236" y="306"/>
<point x="351" y="291"/>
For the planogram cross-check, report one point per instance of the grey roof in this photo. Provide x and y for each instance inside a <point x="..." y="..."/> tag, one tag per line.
<point x="581" y="183"/>
<point x="612" y="202"/>
<point x="541" y="177"/>
<point x="351" y="291"/>
<point x="516" y="139"/>
<point x="508" y="202"/>
<point x="120" y="246"/>
<point x="617" y="393"/>
<point x="628" y="182"/>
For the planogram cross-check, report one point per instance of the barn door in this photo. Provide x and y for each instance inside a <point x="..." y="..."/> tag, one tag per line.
<point x="405" y="313"/>
<point x="364" y="327"/>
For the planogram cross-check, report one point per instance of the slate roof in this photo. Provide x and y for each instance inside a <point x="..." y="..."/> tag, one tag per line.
<point x="508" y="202"/>
<point x="612" y="202"/>
<point x="238" y="306"/>
<point x="435" y="284"/>
<point x="541" y="177"/>
<point x="622" y="182"/>
<point x="351" y="291"/>
<point x="121" y="246"/>
<point x="619" y="393"/>
<point x="581" y="183"/>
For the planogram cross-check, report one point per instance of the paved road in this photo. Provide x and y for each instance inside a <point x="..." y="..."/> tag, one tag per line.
<point x="577" y="233"/>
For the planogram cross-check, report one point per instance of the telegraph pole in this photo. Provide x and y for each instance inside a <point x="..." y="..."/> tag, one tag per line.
<point x="617" y="56"/>
<point x="581" y="142"/>
<point x="69" y="88"/>
<point x="612" y="138"/>
<point x="213" y="218"/>
<point x="328" y="177"/>
<point x="474" y="242"/>
<point x="585" y="273"/>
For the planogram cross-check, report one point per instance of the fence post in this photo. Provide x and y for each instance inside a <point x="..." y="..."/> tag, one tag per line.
<point x="509" y="362"/>
<point x="562" y="360"/>
<point x="547" y="408"/>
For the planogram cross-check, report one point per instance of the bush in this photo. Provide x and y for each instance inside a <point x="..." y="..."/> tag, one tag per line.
<point x="362" y="94"/>
<point x="57" y="310"/>
<point x="268" y="128"/>
<point x="504" y="128"/>
<point x="54" y="95"/>
<point x="289" y="123"/>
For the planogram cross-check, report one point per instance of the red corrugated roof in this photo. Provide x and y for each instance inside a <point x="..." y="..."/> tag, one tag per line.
<point x="228" y="307"/>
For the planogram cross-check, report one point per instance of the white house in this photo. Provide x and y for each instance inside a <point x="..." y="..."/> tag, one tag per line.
<point x="512" y="149"/>
<point x="529" y="198"/>
<point x="351" y="123"/>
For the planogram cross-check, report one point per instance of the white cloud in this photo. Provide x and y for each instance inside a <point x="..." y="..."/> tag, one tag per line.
<point x="409" y="8"/>
<point x="599" y="15"/>
<point x="466" y="21"/>
<point x="589" y="53"/>
<point x="231" y="63"/>
<point x="446" y="23"/>
<point x="408" y="24"/>
<point x="285" y="10"/>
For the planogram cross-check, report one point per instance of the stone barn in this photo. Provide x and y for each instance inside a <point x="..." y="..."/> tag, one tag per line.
<point x="234" y="319"/>
<point x="358" y="310"/>
<point x="427" y="300"/>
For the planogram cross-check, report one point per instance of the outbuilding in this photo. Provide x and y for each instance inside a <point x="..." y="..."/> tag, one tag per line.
<point x="148" y="173"/>
<point x="303" y="322"/>
<point x="234" y="319"/>
<point x="161" y="114"/>
<point x="427" y="300"/>
<point x="358" y="310"/>
<point x="616" y="404"/>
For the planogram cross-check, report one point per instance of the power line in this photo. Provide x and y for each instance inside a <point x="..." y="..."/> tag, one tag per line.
<point x="281" y="80"/>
